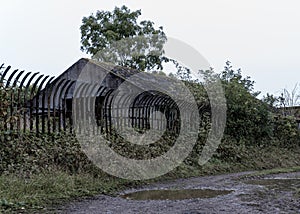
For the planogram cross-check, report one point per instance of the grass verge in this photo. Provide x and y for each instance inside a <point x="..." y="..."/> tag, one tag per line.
<point x="48" y="189"/>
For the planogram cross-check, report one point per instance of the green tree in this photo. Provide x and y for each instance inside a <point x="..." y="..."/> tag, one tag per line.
<point x="117" y="37"/>
<point x="271" y="100"/>
<point x="248" y="118"/>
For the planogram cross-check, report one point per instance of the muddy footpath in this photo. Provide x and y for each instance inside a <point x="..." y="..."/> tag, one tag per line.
<point x="231" y="193"/>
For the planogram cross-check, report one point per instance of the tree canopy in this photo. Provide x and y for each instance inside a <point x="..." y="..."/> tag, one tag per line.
<point x="117" y="37"/>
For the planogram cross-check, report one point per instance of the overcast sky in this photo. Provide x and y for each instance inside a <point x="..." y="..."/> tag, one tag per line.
<point x="260" y="36"/>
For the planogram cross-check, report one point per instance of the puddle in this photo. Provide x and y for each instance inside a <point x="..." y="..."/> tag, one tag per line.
<point x="175" y="194"/>
<point x="277" y="184"/>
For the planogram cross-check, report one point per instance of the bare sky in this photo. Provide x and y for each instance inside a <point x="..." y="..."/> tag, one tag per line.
<point x="260" y="36"/>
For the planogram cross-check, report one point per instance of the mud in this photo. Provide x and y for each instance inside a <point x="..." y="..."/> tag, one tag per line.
<point x="265" y="194"/>
<point x="175" y="194"/>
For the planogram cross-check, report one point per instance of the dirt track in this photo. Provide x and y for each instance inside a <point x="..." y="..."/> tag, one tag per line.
<point x="250" y="195"/>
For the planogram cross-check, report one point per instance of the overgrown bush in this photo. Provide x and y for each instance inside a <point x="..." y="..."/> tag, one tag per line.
<point x="27" y="153"/>
<point x="286" y="131"/>
<point x="248" y="118"/>
<point x="4" y="104"/>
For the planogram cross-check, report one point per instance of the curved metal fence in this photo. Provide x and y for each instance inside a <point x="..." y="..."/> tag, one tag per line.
<point x="42" y="104"/>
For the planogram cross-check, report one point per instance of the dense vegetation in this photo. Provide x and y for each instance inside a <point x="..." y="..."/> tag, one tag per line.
<point x="256" y="137"/>
<point x="252" y="120"/>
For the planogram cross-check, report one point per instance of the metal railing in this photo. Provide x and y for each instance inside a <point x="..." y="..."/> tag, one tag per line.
<point x="43" y="104"/>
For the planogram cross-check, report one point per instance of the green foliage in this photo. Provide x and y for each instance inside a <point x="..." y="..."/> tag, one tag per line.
<point x="248" y="118"/>
<point x="229" y="75"/>
<point x="286" y="131"/>
<point x="7" y="113"/>
<point x="117" y="37"/>
<point x="27" y="154"/>
<point x="141" y="152"/>
<point x="250" y="121"/>
<point x="4" y="104"/>
<point x="271" y="100"/>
